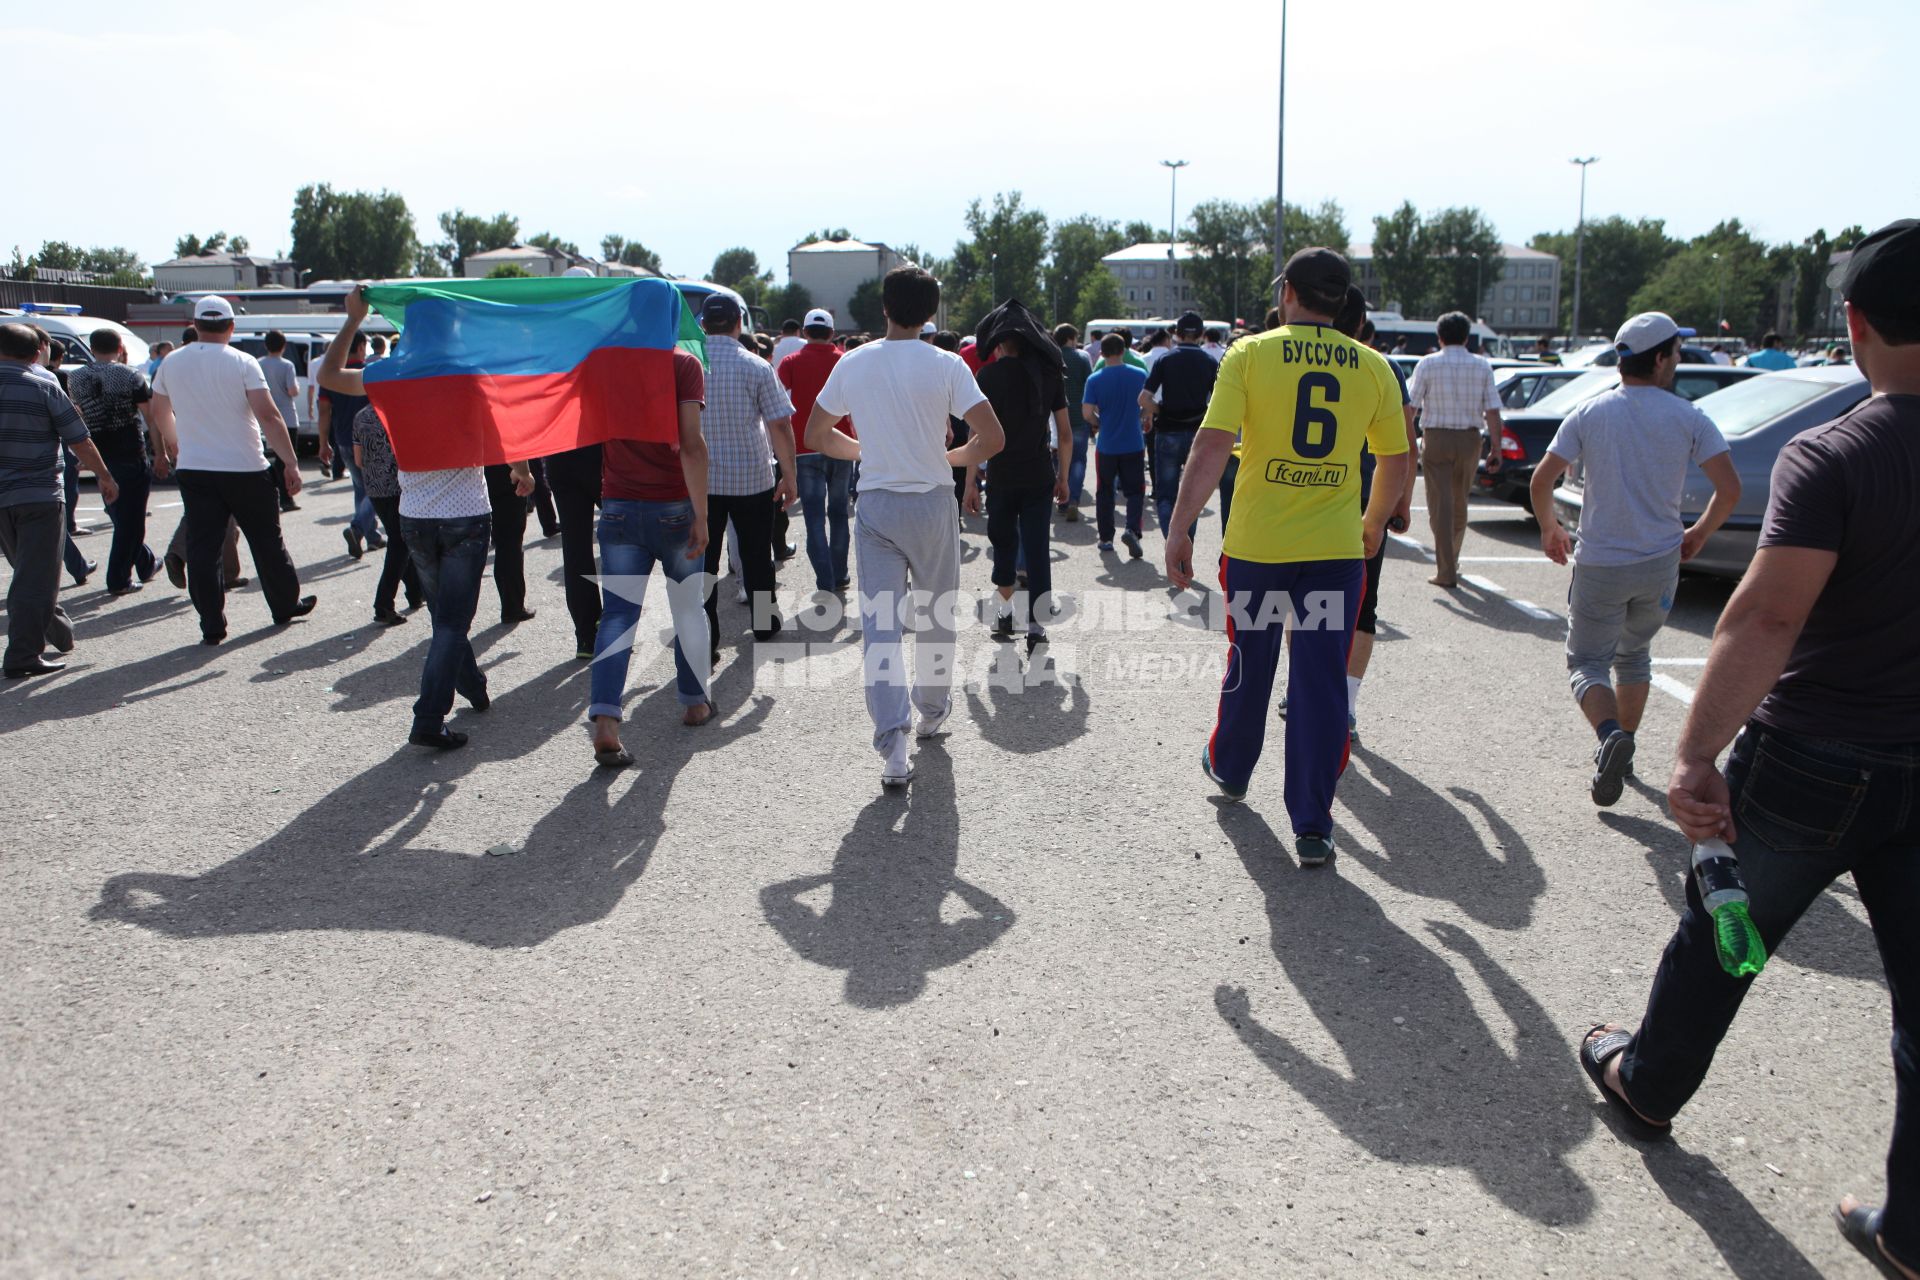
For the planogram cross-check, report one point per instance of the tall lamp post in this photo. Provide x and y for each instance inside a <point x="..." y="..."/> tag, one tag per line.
<point x="1476" y="286"/>
<point x="1173" y="202"/>
<point x="1579" y="249"/>
<point x="1719" y="298"/>
<point x="1280" y="167"/>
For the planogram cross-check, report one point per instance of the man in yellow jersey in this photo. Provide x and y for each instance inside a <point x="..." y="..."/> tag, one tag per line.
<point x="1303" y="399"/>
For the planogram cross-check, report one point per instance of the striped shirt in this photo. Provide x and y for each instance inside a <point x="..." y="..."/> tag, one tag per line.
<point x="743" y="395"/>
<point x="1453" y="389"/>
<point x="36" y="418"/>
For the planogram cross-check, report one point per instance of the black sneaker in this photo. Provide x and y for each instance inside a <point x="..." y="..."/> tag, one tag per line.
<point x="1003" y="627"/>
<point x="1132" y="542"/>
<point x="390" y="618"/>
<point x="1313" y="851"/>
<point x="354" y="547"/>
<point x="445" y="740"/>
<point x="1035" y="640"/>
<point x="1612" y="759"/>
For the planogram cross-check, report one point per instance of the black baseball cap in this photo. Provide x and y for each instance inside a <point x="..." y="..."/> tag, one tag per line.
<point x="719" y="308"/>
<point x="1189" y="322"/>
<point x="1318" y="271"/>
<point x="1884" y="272"/>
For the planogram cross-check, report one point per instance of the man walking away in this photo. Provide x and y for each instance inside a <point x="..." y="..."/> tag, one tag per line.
<point x="283" y="385"/>
<point x="1025" y="387"/>
<point x="1453" y="393"/>
<point x="1216" y="343"/>
<point x="1174" y="401"/>
<point x="791" y="339"/>
<point x="1111" y="403"/>
<point x="37" y="424"/>
<point x="903" y="390"/>
<point x="1637" y="443"/>
<point x="1078" y="370"/>
<point x="1772" y="355"/>
<point x="336" y="421"/>
<point x="654" y="511"/>
<point x="1815" y="677"/>
<point x="373" y="455"/>
<point x="1303" y="399"/>
<point x="210" y="409"/>
<point x="112" y="396"/>
<point x="748" y="423"/>
<point x="822" y="481"/>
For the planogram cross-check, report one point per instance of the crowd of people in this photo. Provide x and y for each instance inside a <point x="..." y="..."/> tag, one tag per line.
<point x="1305" y="433"/>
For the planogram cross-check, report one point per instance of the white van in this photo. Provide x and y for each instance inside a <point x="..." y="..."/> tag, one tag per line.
<point x="1423" y="336"/>
<point x="73" y="331"/>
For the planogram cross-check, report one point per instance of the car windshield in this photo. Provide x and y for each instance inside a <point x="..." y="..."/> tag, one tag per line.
<point x="1574" y="392"/>
<point x="1749" y="405"/>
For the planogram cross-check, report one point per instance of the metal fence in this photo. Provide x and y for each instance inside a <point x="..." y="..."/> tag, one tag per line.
<point x="104" y="301"/>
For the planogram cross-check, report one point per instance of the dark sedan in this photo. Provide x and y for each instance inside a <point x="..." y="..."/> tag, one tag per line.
<point x="1531" y="430"/>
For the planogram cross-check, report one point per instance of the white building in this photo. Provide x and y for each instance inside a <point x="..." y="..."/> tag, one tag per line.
<point x="1153" y="284"/>
<point x="224" y="271"/>
<point x="830" y="271"/>
<point x="531" y="259"/>
<point x="1520" y="295"/>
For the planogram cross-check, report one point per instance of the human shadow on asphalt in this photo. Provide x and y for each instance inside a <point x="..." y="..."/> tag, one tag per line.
<point x="1750" y="1245"/>
<point x="1421" y="1079"/>
<point x="1028" y="718"/>
<point x="1698" y="603"/>
<point x="78" y="694"/>
<point x="350" y="862"/>
<point x="1470" y="603"/>
<point x="893" y="872"/>
<point x="1427" y="846"/>
<point x="1827" y="939"/>
<point x="325" y="651"/>
<point x="94" y="617"/>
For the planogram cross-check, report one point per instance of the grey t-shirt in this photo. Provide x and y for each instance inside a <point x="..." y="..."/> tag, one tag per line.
<point x="283" y="387"/>
<point x="1635" y="446"/>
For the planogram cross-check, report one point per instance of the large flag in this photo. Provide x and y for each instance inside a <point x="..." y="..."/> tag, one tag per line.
<point x="496" y="371"/>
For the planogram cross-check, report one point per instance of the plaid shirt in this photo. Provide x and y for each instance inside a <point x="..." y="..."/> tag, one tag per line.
<point x="1453" y="389"/>
<point x="742" y="397"/>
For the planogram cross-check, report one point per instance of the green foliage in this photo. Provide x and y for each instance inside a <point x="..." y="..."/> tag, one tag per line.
<point x="734" y="267"/>
<point x="1232" y="265"/>
<point x="116" y="265"/>
<point x="631" y="253"/>
<point x="192" y="246"/>
<point x="427" y="262"/>
<point x="932" y="263"/>
<point x="835" y="233"/>
<point x="1099" y="299"/>
<point x="868" y="315"/>
<point x="467" y="234"/>
<point x="1698" y="289"/>
<point x="788" y="302"/>
<point x="508" y="271"/>
<point x="21" y="268"/>
<point x="1001" y="259"/>
<point x="1073" y="261"/>
<point x="548" y="240"/>
<point x="352" y="235"/>
<point x="1400" y="259"/>
<point x="1138" y="232"/>
<point x="1619" y="258"/>
<point x="1427" y="264"/>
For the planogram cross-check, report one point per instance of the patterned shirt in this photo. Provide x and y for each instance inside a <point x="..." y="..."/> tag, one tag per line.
<point x="109" y="395"/>
<point x="378" y="470"/>
<point x="453" y="493"/>
<point x="742" y="397"/>
<point x="1453" y="389"/>
<point x="36" y="418"/>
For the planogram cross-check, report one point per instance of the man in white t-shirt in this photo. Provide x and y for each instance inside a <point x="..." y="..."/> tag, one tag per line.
<point x="210" y="408"/>
<point x="790" y="342"/>
<point x="901" y="392"/>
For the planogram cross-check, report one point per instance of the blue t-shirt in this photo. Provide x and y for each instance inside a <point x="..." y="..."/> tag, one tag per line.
<point x="1772" y="359"/>
<point x="1115" y="391"/>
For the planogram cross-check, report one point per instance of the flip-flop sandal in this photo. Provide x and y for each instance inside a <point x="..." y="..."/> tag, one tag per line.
<point x="1861" y="1227"/>
<point x="1594" y="1055"/>
<point x="618" y="758"/>
<point x="713" y="713"/>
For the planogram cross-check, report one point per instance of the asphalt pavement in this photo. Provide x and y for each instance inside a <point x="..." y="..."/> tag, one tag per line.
<point x="287" y="997"/>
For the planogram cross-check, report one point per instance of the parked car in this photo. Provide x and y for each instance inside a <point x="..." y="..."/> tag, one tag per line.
<point x="73" y="331"/>
<point x="1530" y="431"/>
<point x="1757" y="416"/>
<point x="1524" y="384"/>
<point x="1603" y="356"/>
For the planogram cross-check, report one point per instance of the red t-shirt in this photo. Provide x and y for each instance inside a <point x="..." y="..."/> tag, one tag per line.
<point x="639" y="472"/>
<point x="803" y="374"/>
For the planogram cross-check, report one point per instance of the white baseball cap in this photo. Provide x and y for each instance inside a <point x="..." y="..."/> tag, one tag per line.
<point x="1646" y="331"/>
<point x="577" y="271"/>
<point x="927" y="329"/>
<point x="818" y="318"/>
<point x="213" y="307"/>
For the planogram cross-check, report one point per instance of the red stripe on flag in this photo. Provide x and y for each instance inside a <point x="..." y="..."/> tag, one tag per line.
<point x="616" y="393"/>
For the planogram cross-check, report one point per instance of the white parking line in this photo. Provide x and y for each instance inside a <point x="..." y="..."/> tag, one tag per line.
<point x="1667" y="684"/>
<point x="1527" y="607"/>
<point x="1679" y="662"/>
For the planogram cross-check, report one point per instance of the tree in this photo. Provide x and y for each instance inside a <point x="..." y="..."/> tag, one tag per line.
<point x="837" y="233"/>
<point x="1699" y="289"/>
<point x="1073" y="259"/>
<point x="1224" y="237"/>
<point x="427" y="261"/>
<point x="631" y="253"/>
<point x="1453" y="237"/>
<point x="467" y="234"/>
<point x="788" y="302"/>
<point x="192" y="246"/>
<point x="868" y="315"/>
<point x="1810" y="262"/>
<point x="1325" y="224"/>
<point x="352" y="235"/>
<point x="1138" y="232"/>
<point x="1099" y="298"/>
<point x="548" y="240"/>
<point x="508" y="271"/>
<point x="1620" y="256"/>
<point x="735" y="266"/>
<point x="1000" y="260"/>
<point x="1400" y="258"/>
<point x="932" y="263"/>
<point x="58" y="255"/>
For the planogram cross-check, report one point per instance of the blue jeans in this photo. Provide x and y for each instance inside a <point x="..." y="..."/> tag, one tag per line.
<point x="823" y="484"/>
<point x="1077" y="470"/>
<point x="130" y="553"/>
<point x="365" y="522"/>
<point x="1170" y="449"/>
<point x="1808" y="810"/>
<point x="451" y="558"/>
<point x="635" y="536"/>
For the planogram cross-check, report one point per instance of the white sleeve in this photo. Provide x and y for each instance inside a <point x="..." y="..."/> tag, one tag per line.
<point x="963" y="392"/>
<point x="833" y="395"/>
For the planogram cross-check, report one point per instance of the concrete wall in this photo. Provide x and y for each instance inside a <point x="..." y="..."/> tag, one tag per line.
<point x="830" y="278"/>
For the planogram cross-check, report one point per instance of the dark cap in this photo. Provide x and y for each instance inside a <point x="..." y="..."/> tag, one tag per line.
<point x="1189" y="322"/>
<point x="1318" y="271"/>
<point x="1353" y="312"/>
<point x="719" y="308"/>
<point x="1884" y="272"/>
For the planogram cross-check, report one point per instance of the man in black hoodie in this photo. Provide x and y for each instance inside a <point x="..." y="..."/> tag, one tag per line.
<point x="1026" y="386"/>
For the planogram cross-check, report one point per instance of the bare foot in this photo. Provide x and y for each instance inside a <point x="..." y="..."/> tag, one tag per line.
<point x="697" y="715"/>
<point x="1447" y="583"/>
<point x="606" y="734"/>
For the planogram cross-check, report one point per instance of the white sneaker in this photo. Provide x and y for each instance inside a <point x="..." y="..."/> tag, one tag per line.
<point x="929" y="726"/>
<point x="740" y="594"/>
<point x="898" y="771"/>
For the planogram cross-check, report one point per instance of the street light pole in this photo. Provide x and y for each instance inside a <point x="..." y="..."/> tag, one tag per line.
<point x="1280" y="167"/>
<point x="1579" y="249"/>
<point x="1173" y="202"/>
<point x="1720" y="297"/>
<point x="1476" y="286"/>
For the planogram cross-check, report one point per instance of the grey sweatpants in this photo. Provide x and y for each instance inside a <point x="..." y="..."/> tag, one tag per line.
<point x="1613" y="614"/>
<point x="31" y="537"/>
<point x="902" y="542"/>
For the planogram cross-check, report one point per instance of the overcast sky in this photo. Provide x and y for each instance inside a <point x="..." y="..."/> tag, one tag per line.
<point x="694" y="128"/>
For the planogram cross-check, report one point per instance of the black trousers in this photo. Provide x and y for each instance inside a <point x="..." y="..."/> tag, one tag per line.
<point x="509" y="535"/>
<point x="752" y="516"/>
<point x="397" y="567"/>
<point x="1022" y="520"/>
<point x="248" y="499"/>
<point x="574" y="477"/>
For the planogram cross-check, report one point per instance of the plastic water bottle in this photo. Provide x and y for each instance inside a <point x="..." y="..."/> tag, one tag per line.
<point x="1716" y="874"/>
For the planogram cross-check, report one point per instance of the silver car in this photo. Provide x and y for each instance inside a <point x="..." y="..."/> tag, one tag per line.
<point x="1757" y="416"/>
